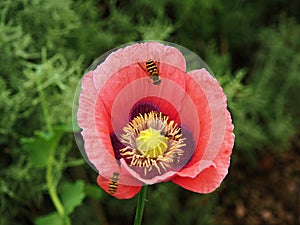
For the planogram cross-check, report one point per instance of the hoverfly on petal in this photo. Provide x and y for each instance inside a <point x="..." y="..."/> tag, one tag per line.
<point x="152" y="71"/>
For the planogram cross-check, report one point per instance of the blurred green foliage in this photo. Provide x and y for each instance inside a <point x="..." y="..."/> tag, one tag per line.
<point x="45" y="46"/>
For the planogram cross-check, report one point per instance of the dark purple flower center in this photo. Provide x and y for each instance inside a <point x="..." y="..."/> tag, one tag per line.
<point x="142" y="108"/>
<point x="151" y="143"/>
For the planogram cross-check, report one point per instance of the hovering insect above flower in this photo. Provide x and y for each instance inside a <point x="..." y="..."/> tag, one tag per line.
<point x="175" y="128"/>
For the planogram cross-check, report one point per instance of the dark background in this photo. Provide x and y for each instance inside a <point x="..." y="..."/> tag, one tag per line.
<point x="253" y="48"/>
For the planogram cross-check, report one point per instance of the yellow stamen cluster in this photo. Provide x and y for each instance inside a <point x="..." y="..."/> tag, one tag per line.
<point x="152" y="141"/>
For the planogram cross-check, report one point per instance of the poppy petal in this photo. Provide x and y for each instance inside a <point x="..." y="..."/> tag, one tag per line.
<point x="122" y="191"/>
<point x="135" y="53"/>
<point x="98" y="147"/>
<point x="86" y="117"/>
<point x="210" y="102"/>
<point x="210" y="178"/>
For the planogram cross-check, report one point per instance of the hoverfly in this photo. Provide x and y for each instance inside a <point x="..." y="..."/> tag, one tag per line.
<point x="152" y="71"/>
<point x="113" y="184"/>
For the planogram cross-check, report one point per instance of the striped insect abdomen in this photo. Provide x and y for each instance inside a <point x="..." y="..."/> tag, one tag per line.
<point x="153" y="71"/>
<point x="151" y="68"/>
<point x="113" y="184"/>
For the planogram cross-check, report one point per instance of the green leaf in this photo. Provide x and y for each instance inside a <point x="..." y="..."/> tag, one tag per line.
<point x="40" y="147"/>
<point x="42" y="144"/>
<point x="50" y="219"/>
<point x="72" y="195"/>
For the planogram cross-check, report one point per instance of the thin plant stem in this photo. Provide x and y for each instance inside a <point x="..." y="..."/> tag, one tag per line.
<point x="52" y="186"/>
<point x="140" y="205"/>
<point x="51" y="162"/>
<point x="55" y="199"/>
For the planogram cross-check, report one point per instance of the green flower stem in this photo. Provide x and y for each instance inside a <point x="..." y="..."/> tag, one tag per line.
<point x="52" y="186"/>
<point x="140" y="205"/>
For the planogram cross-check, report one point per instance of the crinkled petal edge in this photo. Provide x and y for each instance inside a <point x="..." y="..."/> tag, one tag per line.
<point x="210" y="178"/>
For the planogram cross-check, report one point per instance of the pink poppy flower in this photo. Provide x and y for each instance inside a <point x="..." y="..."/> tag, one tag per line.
<point x="145" y="123"/>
